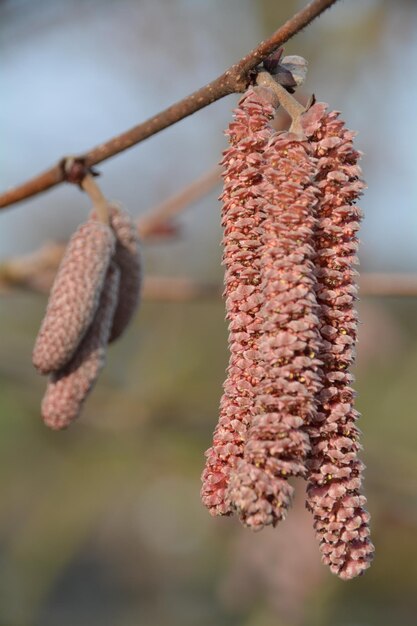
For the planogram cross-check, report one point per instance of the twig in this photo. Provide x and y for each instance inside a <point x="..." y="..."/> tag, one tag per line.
<point x="33" y="271"/>
<point x="148" y="223"/>
<point x="100" y="204"/>
<point x="384" y="284"/>
<point x="178" y="289"/>
<point x="234" y="80"/>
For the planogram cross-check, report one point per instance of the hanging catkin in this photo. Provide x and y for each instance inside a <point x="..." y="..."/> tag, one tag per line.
<point x="68" y="388"/>
<point x="74" y="296"/>
<point x="277" y="441"/>
<point x="128" y="259"/>
<point x="335" y="472"/>
<point x="241" y="219"/>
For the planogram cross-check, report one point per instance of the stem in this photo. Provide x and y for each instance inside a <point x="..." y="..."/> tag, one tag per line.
<point x="286" y="100"/>
<point x="178" y="202"/>
<point x="234" y="79"/>
<point x="100" y="204"/>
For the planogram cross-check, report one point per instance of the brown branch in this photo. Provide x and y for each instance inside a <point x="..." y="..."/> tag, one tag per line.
<point x="152" y="220"/>
<point x="35" y="271"/>
<point x="233" y="80"/>
<point x="385" y="284"/>
<point x="177" y="289"/>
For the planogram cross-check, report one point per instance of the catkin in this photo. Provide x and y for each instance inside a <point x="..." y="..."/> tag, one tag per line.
<point x="74" y="296"/>
<point x="128" y="259"/>
<point x="335" y="472"/>
<point x="287" y="410"/>
<point x="277" y="441"/>
<point x="241" y="218"/>
<point x="68" y="388"/>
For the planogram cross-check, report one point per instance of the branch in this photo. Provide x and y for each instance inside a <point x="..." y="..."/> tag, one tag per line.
<point x="149" y="223"/>
<point x="178" y="289"/>
<point x="385" y="284"/>
<point x="234" y="80"/>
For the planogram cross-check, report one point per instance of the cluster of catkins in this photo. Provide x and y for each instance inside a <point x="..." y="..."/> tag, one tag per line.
<point x="93" y="298"/>
<point x="290" y="243"/>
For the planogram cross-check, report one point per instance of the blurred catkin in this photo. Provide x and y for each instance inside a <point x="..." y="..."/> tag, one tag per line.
<point x="241" y="219"/>
<point x="68" y="388"/>
<point x="128" y="259"/>
<point x="285" y="402"/>
<point x="335" y="472"/>
<point x="74" y="296"/>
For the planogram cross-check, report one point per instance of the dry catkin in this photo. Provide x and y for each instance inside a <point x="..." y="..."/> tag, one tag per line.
<point x="277" y="441"/>
<point x="128" y="259"/>
<point x="241" y="219"/>
<point x="68" y="388"/>
<point x="74" y="296"/>
<point x="335" y="472"/>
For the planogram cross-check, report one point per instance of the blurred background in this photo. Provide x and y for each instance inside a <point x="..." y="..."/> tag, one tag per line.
<point x="102" y="524"/>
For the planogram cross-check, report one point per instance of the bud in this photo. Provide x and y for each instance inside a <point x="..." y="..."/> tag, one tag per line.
<point x="74" y="296"/>
<point x="68" y="388"/>
<point x="297" y="66"/>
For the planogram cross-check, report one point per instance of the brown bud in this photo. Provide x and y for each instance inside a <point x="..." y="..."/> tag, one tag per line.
<point x="68" y="388"/>
<point x="74" y="296"/>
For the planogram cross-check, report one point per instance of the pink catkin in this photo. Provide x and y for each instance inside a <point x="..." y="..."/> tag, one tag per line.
<point x="68" y="388"/>
<point x="277" y="442"/>
<point x="74" y="296"/>
<point x="335" y="472"/>
<point x="241" y="218"/>
<point x="128" y="259"/>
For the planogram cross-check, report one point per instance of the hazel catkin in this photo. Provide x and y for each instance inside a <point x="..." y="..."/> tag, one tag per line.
<point x="241" y="218"/>
<point x="277" y="442"/>
<point x="335" y="472"/>
<point x="74" y="296"/>
<point x="287" y="410"/>
<point x="128" y="258"/>
<point x="68" y="387"/>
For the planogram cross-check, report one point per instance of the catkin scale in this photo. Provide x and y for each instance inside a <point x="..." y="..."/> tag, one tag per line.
<point x="68" y="388"/>
<point x="74" y="296"/>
